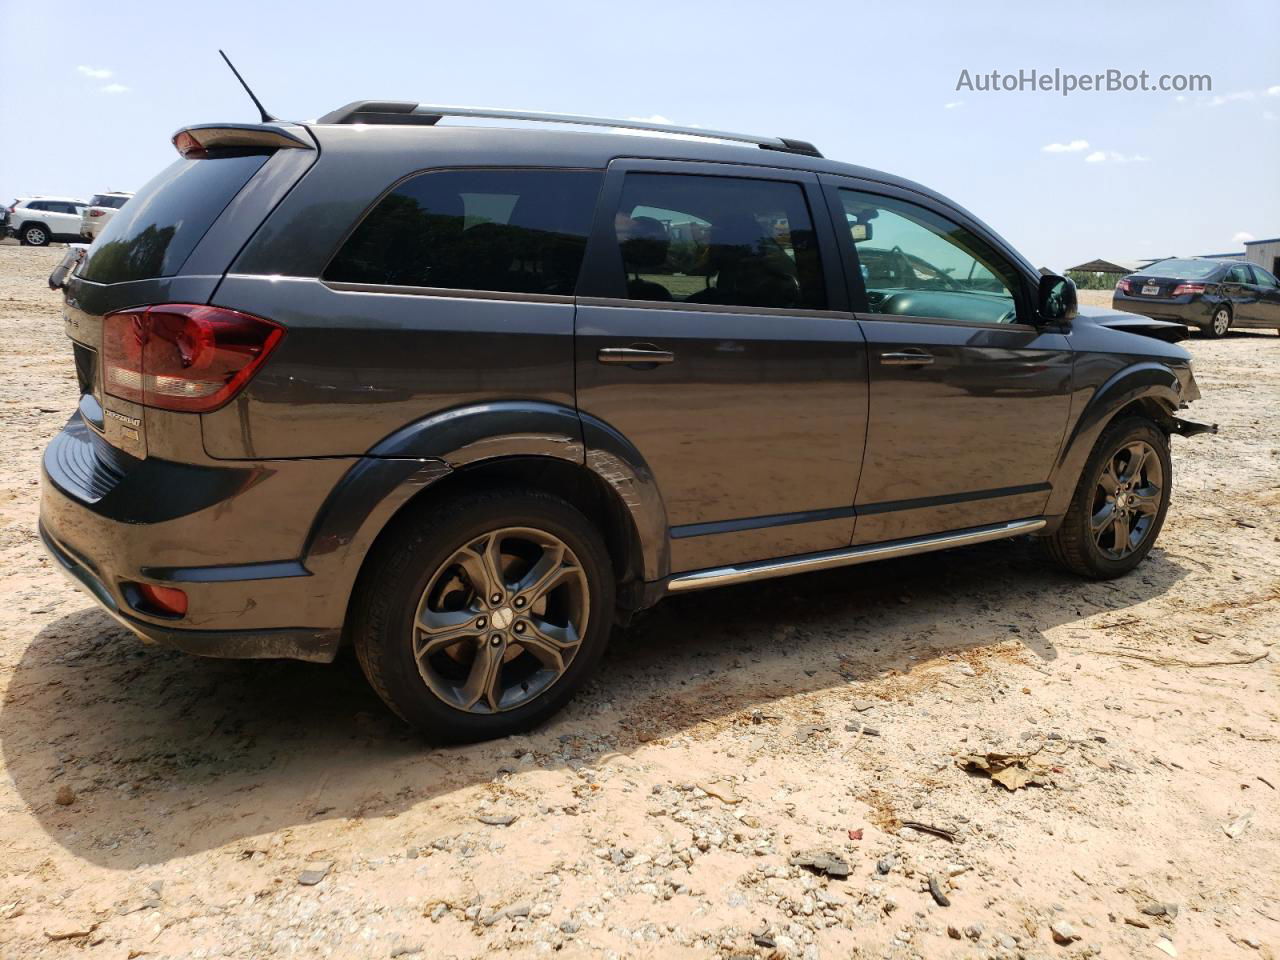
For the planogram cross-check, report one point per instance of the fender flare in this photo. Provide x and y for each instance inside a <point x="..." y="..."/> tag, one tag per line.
<point x="1139" y="381"/>
<point x="418" y="455"/>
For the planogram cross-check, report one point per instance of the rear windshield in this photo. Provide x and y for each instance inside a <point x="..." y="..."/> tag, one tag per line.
<point x="106" y="200"/>
<point x="1182" y="269"/>
<point x="167" y="218"/>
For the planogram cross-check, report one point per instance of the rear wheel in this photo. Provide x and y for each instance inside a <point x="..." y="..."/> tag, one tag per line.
<point x="480" y="616"/>
<point x="35" y="235"/>
<point x="1220" y="323"/>
<point x="1119" y="505"/>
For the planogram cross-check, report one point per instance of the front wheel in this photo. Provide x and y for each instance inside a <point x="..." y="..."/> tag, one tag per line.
<point x="479" y="617"/>
<point x="1119" y="505"/>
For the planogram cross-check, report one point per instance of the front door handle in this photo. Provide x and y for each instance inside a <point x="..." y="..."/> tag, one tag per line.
<point x="906" y="358"/>
<point x="643" y="355"/>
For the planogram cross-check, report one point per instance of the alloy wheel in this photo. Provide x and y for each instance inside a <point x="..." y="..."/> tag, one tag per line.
<point x="1221" y="322"/>
<point x="35" y="236"/>
<point x="501" y="620"/>
<point x="1126" y="499"/>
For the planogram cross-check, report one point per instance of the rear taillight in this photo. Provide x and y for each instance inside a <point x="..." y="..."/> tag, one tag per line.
<point x="153" y="599"/>
<point x="95" y="213"/>
<point x="181" y="356"/>
<point x="1184" y="289"/>
<point x="1122" y="286"/>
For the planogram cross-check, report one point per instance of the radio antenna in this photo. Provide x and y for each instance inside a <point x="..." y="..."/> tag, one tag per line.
<point x="266" y="117"/>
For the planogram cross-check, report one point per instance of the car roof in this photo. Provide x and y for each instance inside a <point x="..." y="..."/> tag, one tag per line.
<point x="113" y="193"/>
<point x="47" y="196"/>
<point x="572" y="148"/>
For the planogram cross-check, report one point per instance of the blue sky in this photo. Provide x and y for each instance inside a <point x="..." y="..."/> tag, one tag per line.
<point x="91" y="93"/>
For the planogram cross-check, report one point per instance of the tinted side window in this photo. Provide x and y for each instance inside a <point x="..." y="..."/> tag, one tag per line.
<point x="722" y="240"/>
<point x="156" y="233"/>
<point x="37" y="205"/>
<point x="1238" y="274"/>
<point x="507" y="231"/>
<point x="1264" y="279"/>
<point x="916" y="263"/>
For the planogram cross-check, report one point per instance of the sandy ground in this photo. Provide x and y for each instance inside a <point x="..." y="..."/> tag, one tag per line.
<point x="162" y="806"/>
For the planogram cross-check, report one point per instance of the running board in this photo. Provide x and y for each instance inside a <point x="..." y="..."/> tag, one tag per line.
<point x="809" y="562"/>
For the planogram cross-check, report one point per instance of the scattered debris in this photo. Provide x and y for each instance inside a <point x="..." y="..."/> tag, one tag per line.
<point x="1239" y="824"/>
<point x="314" y="872"/>
<point x="499" y="820"/>
<point x="1169" y="910"/>
<point x="1179" y="662"/>
<point x="855" y="834"/>
<point x="1063" y="933"/>
<point x="1011" y="770"/>
<point x="942" y="832"/>
<point x="1165" y="945"/>
<point x="858" y="727"/>
<point x="935" y="890"/>
<point x="71" y="933"/>
<point x="805" y="731"/>
<point x="823" y="861"/>
<point x="723" y="790"/>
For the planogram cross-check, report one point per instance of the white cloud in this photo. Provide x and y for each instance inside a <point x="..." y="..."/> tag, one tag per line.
<point x="1242" y="237"/>
<point x="953" y="104"/>
<point x="114" y="88"/>
<point x="1274" y="91"/>
<point x="96" y="73"/>
<point x="1232" y="97"/>
<point x="1111" y="156"/>
<point x="1075" y="146"/>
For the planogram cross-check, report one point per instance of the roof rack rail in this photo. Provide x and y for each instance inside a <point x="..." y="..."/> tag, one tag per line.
<point x="403" y="112"/>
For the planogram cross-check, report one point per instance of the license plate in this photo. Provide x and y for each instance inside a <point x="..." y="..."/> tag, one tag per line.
<point x="1151" y="290"/>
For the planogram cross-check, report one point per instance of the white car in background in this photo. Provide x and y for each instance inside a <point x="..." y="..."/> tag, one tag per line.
<point x="36" y="221"/>
<point x="101" y="209"/>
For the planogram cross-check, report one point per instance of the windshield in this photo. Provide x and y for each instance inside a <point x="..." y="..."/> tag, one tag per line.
<point x="107" y="200"/>
<point x="1182" y="269"/>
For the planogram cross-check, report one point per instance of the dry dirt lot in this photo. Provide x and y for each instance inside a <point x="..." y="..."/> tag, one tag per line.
<point x="156" y="805"/>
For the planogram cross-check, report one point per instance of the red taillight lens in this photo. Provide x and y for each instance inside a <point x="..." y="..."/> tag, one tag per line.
<point x="1122" y="286"/>
<point x="189" y="148"/>
<point x="1187" y="288"/>
<point x="166" y="601"/>
<point x="181" y="356"/>
<point x="95" y="213"/>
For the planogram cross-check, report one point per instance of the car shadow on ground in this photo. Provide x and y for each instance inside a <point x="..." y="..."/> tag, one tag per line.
<point x="246" y="748"/>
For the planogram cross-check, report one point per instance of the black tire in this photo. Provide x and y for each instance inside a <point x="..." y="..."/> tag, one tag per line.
<point x="1074" y="546"/>
<point x="411" y="557"/>
<point x="1219" y="323"/>
<point x="34" y="235"/>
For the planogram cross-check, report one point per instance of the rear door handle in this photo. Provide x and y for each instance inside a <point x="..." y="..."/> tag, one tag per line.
<point x="645" y="355"/>
<point x="907" y="358"/>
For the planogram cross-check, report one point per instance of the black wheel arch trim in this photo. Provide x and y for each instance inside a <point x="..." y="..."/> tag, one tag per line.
<point x="1146" y="380"/>
<point x="400" y="466"/>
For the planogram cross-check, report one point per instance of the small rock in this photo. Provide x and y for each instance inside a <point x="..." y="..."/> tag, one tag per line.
<point x="823" y="861"/>
<point x="967" y="671"/>
<point x="314" y="872"/>
<point x="406" y="951"/>
<point x="974" y="931"/>
<point x="499" y="820"/>
<point x="540" y="910"/>
<point x="1063" y="932"/>
<point x="953" y="931"/>
<point x="1165" y="945"/>
<point x="884" y="865"/>
<point x="65" y="796"/>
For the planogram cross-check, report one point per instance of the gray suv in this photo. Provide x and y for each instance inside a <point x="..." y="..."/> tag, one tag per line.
<point x="465" y="397"/>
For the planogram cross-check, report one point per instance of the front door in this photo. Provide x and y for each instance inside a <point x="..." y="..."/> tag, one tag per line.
<point x="1268" y="290"/>
<point x="713" y="333"/>
<point x="968" y="396"/>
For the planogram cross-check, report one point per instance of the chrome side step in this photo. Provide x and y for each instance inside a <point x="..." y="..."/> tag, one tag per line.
<point x="847" y="556"/>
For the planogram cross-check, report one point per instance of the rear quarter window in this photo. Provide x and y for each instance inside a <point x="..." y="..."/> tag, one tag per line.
<point x="156" y="232"/>
<point x="514" y="231"/>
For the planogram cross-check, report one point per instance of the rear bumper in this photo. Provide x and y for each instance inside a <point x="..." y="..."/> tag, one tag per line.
<point x="1192" y="312"/>
<point x="111" y="521"/>
<point x="293" y="643"/>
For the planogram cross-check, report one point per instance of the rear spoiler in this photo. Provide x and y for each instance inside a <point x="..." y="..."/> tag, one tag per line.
<point x="196" y="141"/>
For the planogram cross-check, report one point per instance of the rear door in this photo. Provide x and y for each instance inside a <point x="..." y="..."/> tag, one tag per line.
<point x="1238" y="287"/>
<point x="713" y="334"/>
<point x="968" y="397"/>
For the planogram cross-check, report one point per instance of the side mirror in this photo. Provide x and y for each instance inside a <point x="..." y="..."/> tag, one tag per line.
<point x="1056" y="299"/>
